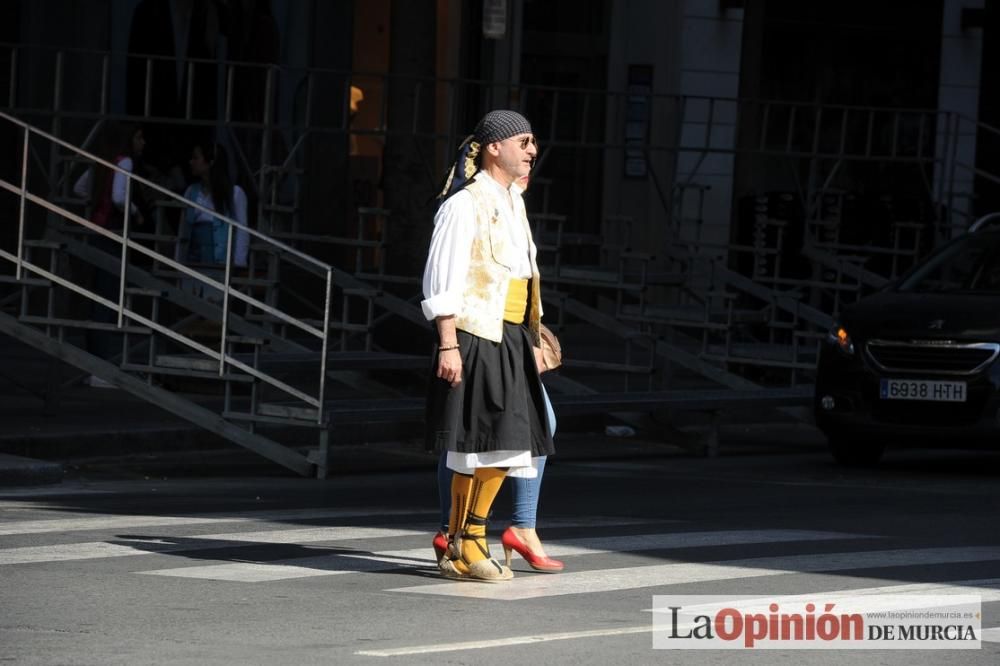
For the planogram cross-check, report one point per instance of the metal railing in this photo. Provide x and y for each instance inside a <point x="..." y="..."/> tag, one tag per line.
<point x="817" y="143"/>
<point x="320" y="334"/>
<point x="302" y="102"/>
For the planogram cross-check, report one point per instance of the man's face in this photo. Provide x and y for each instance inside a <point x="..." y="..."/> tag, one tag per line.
<point x="516" y="155"/>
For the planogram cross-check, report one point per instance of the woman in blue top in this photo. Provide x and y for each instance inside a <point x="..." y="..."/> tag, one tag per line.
<point x="202" y="235"/>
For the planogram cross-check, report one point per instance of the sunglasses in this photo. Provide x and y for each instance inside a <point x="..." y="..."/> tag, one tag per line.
<point x="525" y="141"/>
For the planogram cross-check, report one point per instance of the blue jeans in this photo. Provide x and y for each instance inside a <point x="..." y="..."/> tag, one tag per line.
<point x="524" y="492"/>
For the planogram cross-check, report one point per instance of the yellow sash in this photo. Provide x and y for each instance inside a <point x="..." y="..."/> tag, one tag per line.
<point x="517" y="301"/>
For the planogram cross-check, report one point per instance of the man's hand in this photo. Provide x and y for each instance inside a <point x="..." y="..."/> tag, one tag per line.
<point x="450" y="366"/>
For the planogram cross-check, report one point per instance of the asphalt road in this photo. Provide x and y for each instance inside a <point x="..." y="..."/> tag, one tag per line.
<point x="291" y="571"/>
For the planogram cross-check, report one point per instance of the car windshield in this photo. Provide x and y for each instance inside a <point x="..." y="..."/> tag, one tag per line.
<point x="969" y="264"/>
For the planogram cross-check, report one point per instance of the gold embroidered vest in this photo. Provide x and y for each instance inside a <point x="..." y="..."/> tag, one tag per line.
<point x="490" y="271"/>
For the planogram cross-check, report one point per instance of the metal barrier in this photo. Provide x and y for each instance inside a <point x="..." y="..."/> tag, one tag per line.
<point x="690" y="127"/>
<point x="124" y="240"/>
<point x="816" y="143"/>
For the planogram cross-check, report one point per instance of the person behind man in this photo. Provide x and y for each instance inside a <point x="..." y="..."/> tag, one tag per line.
<point x="485" y="405"/>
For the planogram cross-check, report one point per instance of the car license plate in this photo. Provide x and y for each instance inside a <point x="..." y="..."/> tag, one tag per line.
<point x="922" y="389"/>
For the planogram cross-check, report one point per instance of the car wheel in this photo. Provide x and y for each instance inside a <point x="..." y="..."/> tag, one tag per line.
<point x="855" y="450"/>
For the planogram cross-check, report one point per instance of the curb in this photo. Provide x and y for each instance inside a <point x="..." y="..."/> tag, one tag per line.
<point x="19" y="471"/>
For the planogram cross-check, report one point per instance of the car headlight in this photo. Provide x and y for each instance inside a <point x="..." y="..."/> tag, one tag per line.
<point x="841" y="339"/>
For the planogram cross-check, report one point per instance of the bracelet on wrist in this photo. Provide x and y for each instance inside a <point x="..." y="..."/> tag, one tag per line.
<point x="447" y="348"/>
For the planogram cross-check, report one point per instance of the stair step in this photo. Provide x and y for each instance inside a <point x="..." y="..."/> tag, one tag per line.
<point x="28" y="281"/>
<point x="336" y="360"/>
<point x="156" y="238"/>
<point x="193" y="374"/>
<point x="350" y="410"/>
<point x="322" y="239"/>
<point x="291" y="412"/>
<point x="83" y="323"/>
<point x="246" y="340"/>
<point x="139" y="291"/>
<point x="187" y="362"/>
<point x="369" y="292"/>
<point x="590" y="274"/>
<point x="758" y="361"/>
<point x="610" y="366"/>
<point x="762" y="352"/>
<point x="45" y="244"/>
<point x="691" y="316"/>
<point x="384" y="277"/>
<point x="338" y="326"/>
<point x="271" y="420"/>
<point x="234" y="280"/>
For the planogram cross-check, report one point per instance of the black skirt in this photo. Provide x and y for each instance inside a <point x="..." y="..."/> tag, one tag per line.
<point x="498" y="406"/>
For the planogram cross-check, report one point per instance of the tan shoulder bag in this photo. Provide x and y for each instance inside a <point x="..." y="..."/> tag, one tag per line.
<point x="551" y="349"/>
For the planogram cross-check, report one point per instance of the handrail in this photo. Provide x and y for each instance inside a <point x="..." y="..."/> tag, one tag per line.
<point x="698" y="113"/>
<point x="306" y="261"/>
<point x="170" y="195"/>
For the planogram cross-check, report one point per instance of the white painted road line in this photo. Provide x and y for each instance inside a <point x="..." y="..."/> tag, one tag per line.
<point x="315" y="534"/>
<point x="596" y="545"/>
<point x="304" y="567"/>
<point x="504" y="642"/>
<point x="991" y="635"/>
<point x="393" y="559"/>
<point x="670" y="540"/>
<point x="606" y="580"/>
<point x="124" y="547"/>
<point x="118" y="521"/>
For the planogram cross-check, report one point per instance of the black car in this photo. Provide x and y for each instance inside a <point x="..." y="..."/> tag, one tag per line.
<point x="916" y="363"/>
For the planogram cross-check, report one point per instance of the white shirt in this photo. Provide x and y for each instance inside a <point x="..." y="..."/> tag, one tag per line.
<point x="239" y="213"/>
<point x="451" y="245"/>
<point x="81" y="187"/>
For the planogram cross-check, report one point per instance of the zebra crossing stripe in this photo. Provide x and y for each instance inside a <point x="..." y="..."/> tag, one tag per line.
<point x="132" y="545"/>
<point x="991" y="635"/>
<point x="597" y="545"/>
<point x="607" y="580"/>
<point x="144" y="545"/>
<point x="435" y="648"/>
<point x="361" y="561"/>
<point x="119" y="522"/>
<point x="303" y="567"/>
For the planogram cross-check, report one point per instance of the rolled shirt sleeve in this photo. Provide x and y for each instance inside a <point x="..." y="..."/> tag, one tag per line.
<point x="449" y="256"/>
<point x="118" y="184"/>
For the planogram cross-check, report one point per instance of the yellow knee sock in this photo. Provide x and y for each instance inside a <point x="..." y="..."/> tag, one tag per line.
<point x="485" y="485"/>
<point x="461" y="487"/>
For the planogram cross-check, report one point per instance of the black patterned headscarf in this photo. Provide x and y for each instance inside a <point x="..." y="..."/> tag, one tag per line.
<point x="495" y="126"/>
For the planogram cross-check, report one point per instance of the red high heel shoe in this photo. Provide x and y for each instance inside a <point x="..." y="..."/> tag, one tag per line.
<point x="440" y="544"/>
<point x="510" y="542"/>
